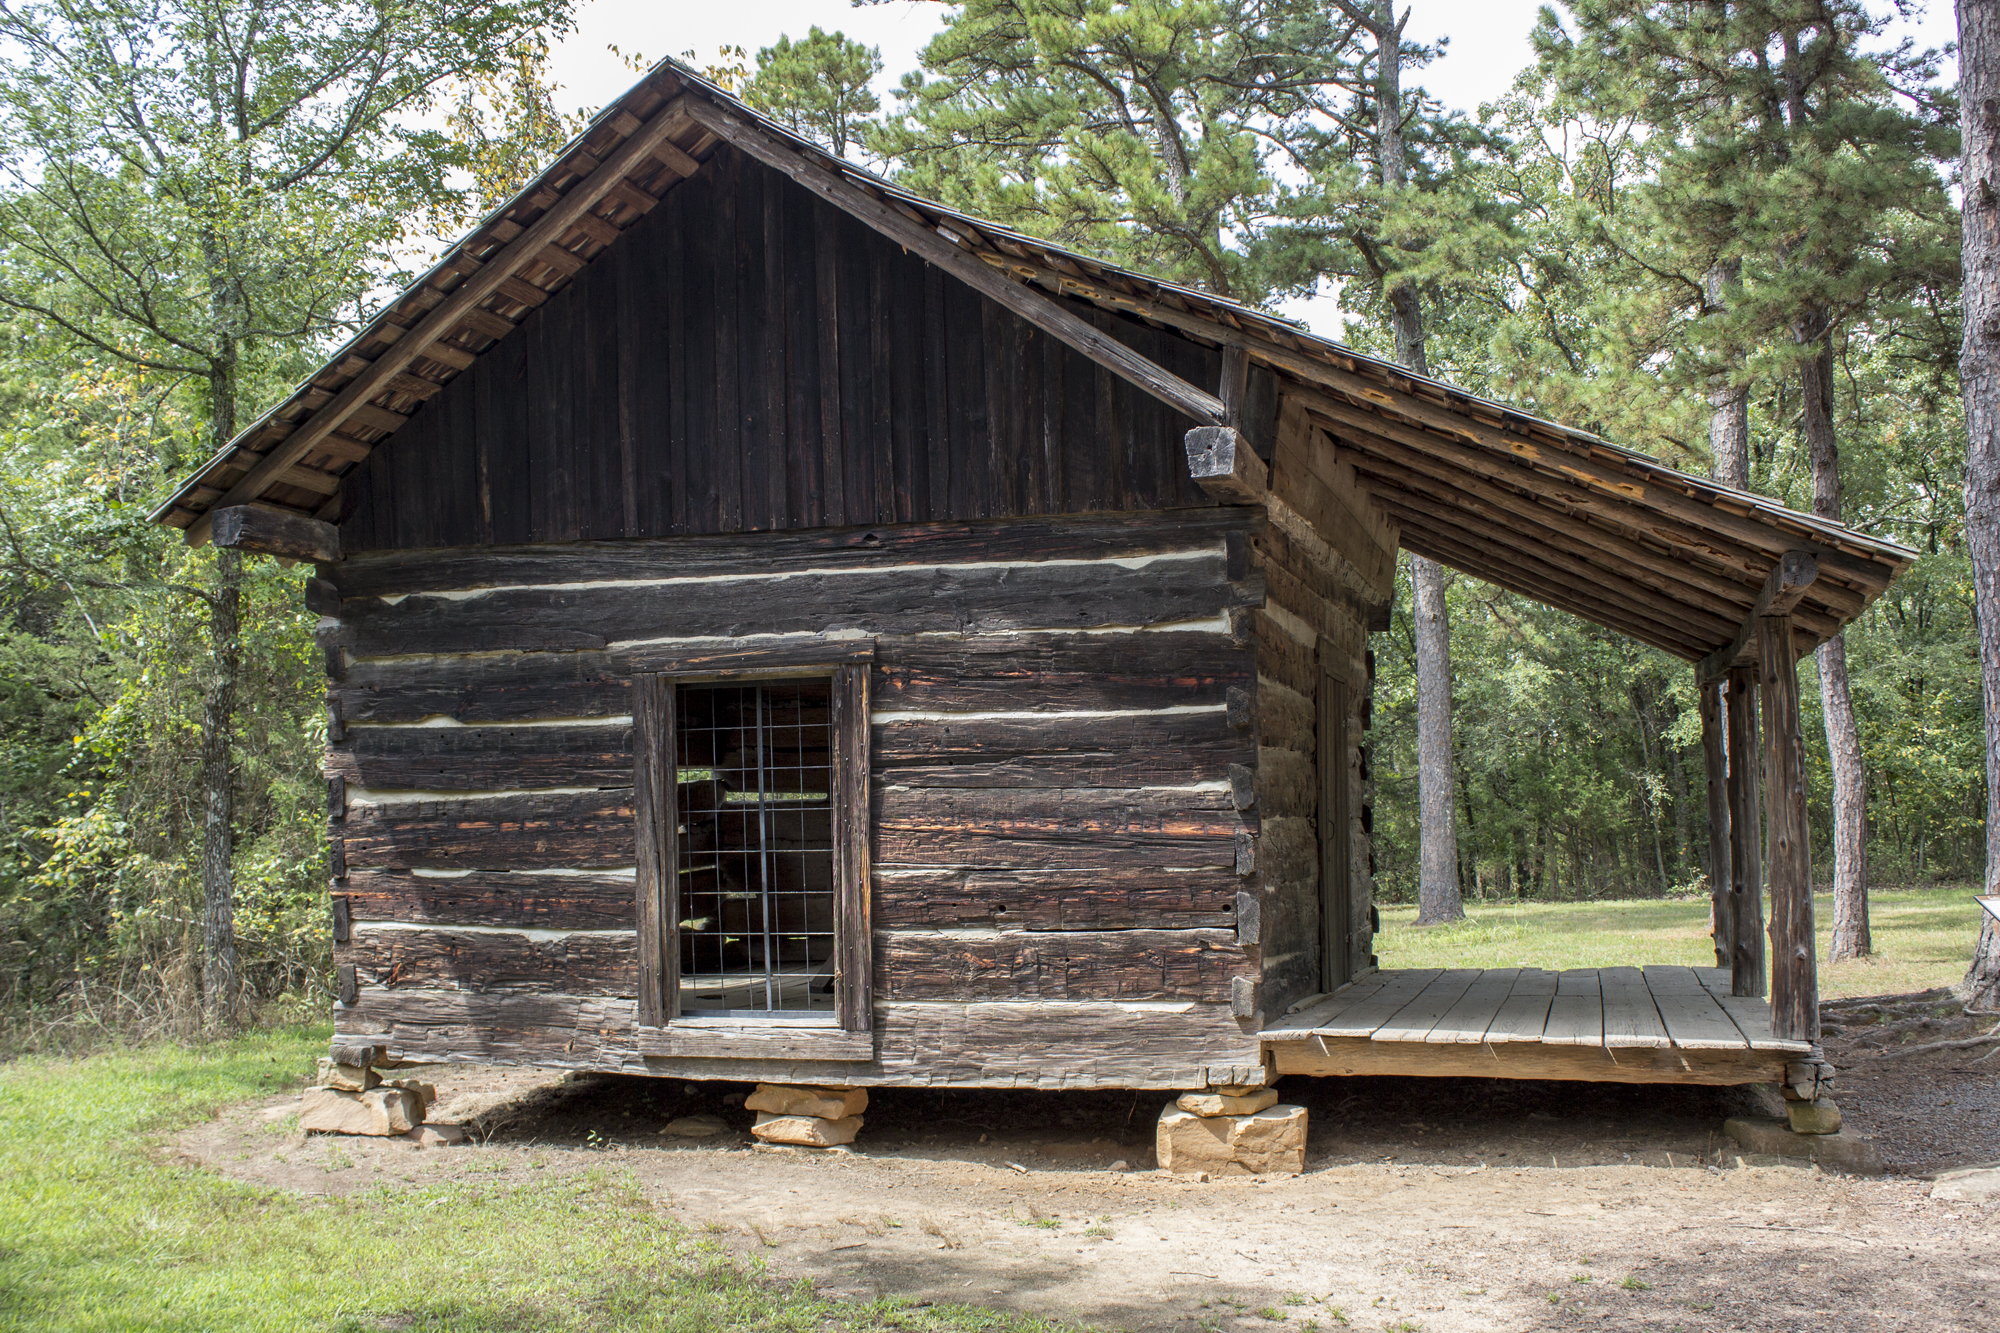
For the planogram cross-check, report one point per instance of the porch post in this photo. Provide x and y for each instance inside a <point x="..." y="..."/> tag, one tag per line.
<point x="1715" y="756"/>
<point x="1794" y="981"/>
<point x="1746" y="871"/>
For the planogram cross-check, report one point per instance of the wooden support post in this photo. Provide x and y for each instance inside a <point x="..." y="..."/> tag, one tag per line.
<point x="1788" y="858"/>
<point x="1715" y="755"/>
<point x="1746" y="875"/>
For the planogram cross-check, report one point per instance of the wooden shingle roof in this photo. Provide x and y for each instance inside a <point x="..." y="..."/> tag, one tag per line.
<point x="1556" y="514"/>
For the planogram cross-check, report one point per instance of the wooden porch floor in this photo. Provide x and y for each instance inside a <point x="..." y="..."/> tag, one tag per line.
<point x="1613" y="1024"/>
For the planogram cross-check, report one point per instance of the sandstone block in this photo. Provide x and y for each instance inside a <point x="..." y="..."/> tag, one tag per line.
<point x="346" y="1078"/>
<point x="379" y="1111"/>
<point x="1814" y="1117"/>
<point x="436" y="1136"/>
<point x="821" y="1103"/>
<point x="1236" y="1089"/>
<point x="809" y="1131"/>
<point x="427" y="1093"/>
<point x="1270" y="1141"/>
<point x="1216" y="1103"/>
<point x="1977" y="1184"/>
<point x="697" y="1126"/>
<point x="1845" y="1151"/>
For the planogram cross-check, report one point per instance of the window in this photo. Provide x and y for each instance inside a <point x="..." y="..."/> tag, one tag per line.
<point x="753" y="864"/>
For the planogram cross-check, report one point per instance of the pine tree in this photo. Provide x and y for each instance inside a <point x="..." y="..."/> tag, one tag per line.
<point x="819" y="87"/>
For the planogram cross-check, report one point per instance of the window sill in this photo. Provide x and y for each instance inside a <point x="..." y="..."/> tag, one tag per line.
<point x="708" y="1040"/>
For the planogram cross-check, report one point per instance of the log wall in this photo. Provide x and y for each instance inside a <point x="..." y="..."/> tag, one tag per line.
<point x="1061" y="733"/>
<point x="749" y="358"/>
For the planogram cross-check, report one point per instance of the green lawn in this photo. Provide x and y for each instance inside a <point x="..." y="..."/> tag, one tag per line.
<point x="1923" y="938"/>
<point x="100" y="1228"/>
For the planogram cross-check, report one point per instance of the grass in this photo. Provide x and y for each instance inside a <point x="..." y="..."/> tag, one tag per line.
<point x="1923" y="938"/>
<point x="103" y="1227"/>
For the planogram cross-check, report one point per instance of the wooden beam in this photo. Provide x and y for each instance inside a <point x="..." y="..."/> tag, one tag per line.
<point x="1044" y="313"/>
<point x="276" y="532"/>
<point x="1746" y="873"/>
<point x="1787" y="850"/>
<point x="1222" y="463"/>
<point x="1795" y="572"/>
<point x="656" y="882"/>
<point x="1715" y="758"/>
<point x="545" y="231"/>
<point x="854" y="938"/>
<point x="1343" y="1057"/>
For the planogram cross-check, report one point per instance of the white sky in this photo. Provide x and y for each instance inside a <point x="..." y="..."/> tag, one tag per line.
<point x="1489" y="45"/>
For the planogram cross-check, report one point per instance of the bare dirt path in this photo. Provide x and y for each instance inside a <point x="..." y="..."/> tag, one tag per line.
<point x="1439" y="1205"/>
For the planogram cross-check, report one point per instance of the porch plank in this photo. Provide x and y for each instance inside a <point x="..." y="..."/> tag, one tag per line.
<point x="1414" y="1021"/>
<point x="1526" y="1010"/>
<point x="1379" y="1008"/>
<point x="1694" y="1020"/>
<point x="1467" y="1021"/>
<point x="1576" y="1015"/>
<point x="1308" y="1021"/>
<point x="1630" y="1017"/>
<point x="1751" y="1015"/>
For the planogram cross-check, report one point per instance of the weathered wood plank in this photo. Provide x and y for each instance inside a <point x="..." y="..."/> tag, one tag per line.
<point x="1059" y="672"/>
<point x="1084" y="537"/>
<point x="526" y="832"/>
<point x="1750" y="1014"/>
<point x="853" y="873"/>
<point x="1073" y="965"/>
<point x="585" y="963"/>
<point x="276" y="532"/>
<point x="1355" y="1057"/>
<point x="1414" y="1021"/>
<point x="1576" y="1015"/>
<point x="656" y="835"/>
<point x="537" y="901"/>
<point x="1630" y="1017"/>
<point x="1525" y="1013"/>
<point x="1693" y="1019"/>
<point x="1308" y="1020"/>
<point x="956" y="599"/>
<point x="1361" y="1020"/>
<point x="1467" y="1021"/>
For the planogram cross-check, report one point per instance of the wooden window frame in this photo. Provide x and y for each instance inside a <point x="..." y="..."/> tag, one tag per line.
<point x="655" y="718"/>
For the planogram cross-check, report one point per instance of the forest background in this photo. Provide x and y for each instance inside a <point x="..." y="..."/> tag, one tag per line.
<point x="1687" y="223"/>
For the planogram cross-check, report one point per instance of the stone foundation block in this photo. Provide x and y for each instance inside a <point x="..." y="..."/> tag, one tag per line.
<point x="1217" y="1103"/>
<point x="1819" y="1116"/>
<point x="1845" y="1151"/>
<point x="697" y="1126"/>
<point x="820" y="1103"/>
<point x="436" y="1136"/>
<point x="346" y="1078"/>
<point x="1972" y="1184"/>
<point x="426" y="1093"/>
<point x="1271" y="1141"/>
<point x="807" y="1131"/>
<point x="379" y="1112"/>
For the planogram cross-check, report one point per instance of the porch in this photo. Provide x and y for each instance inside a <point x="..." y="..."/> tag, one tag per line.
<point x="1611" y="1025"/>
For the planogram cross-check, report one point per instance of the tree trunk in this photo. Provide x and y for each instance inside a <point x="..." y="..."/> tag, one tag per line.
<point x="1438" y="897"/>
<point x="1728" y="400"/>
<point x="1979" y="382"/>
<point x="1843" y="737"/>
<point x="221" y="984"/>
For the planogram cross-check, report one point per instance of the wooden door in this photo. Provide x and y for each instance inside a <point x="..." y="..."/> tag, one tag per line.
<point x="1336" y="873"/>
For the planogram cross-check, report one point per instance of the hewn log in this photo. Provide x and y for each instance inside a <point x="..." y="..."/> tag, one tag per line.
<point x="949" y="599"/>
<point x="579" y="830"/>
<point x="1106" y="898"/>
<point x="531" y="900"/>
<point x="484" y="758"/>
<point x="1049" y="830"/>
<point x="1222" y="463"/>
<point x="1072" y="965"/>
<point x="1746" y="861"/>
<point x="1788" y="857"/>
<point x="269" y="531"/>
<point x="1057" y="672"/>
<point x="1142" y="750"/>
<point x="1080" y="537"/>
<point x="583" y="963"/>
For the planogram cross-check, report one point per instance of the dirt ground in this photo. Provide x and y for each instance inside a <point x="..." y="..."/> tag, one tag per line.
<point x="1427" y="1204"/>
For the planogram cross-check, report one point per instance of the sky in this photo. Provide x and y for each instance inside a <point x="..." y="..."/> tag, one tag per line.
<point x="1488" y="47"/>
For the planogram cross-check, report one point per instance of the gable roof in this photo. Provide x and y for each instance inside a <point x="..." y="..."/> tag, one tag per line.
<point x="1555" y="514"/>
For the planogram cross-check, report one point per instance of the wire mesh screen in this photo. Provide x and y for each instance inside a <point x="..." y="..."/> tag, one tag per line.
<point x="753" y="782"/>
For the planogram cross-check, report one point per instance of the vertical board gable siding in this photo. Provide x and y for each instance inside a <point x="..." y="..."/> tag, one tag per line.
<point x="750" y="358"/>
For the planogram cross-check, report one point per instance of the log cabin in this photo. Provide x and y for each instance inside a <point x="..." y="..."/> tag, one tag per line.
<point x="778" y="627"/>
